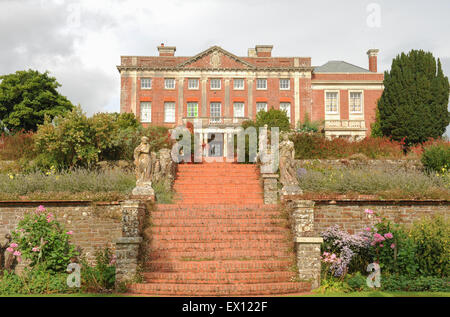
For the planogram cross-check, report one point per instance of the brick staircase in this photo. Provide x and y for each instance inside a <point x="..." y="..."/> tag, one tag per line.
<point x="219" y="239"/>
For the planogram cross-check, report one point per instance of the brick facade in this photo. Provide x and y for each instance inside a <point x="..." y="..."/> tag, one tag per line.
<point x="306" y="92"/>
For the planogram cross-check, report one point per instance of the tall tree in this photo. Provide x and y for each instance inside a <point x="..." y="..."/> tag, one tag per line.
<point x="26" y="97"/>
<point x="415" y="99"/>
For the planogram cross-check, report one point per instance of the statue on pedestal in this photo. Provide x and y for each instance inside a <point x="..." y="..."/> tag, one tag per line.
<point x="143" y="161"/>
<point x="288" y="174"/>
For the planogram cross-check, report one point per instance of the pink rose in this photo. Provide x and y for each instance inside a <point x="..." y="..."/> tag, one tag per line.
<point x="14" y="245"/>
<point x="10" y="250"/>
<point x="389" y="235"/>
<point x="17" y="253"/>
<point x="392" y="246"/>
<point x="41" y="208"/>
<point x="368" y="229"/>
<point x="69" y="233"/>
<point x="369" y="211"/>
<point x="381" y="245"/>
<point x="35" y="249"/>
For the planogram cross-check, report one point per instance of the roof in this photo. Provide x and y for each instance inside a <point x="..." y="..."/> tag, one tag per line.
<point x="340" y="67"/>
<point x="204" y="60"/>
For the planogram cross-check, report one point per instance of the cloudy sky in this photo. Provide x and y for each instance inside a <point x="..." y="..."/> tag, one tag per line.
<point x="80" y="42"/>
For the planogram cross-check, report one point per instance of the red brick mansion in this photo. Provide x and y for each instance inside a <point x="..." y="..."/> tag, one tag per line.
<point x="222" y="89"/>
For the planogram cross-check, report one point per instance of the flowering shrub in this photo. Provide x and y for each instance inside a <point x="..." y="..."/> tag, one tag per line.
<point x="43" y="241"/>
<point x="344" y="251"/>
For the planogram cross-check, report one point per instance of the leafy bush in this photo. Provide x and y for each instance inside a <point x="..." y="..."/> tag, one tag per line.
<point x="317" y="146"/>
<point x="436" y="158"/>
<point x="34" y="281"/>
<point x="43" y="241"/>
<point x="308" y="125"/>
<point x="357" y="282"/>
<point x="73" y="140"/>
<point x="432" y="240"/>
<point x="272" y="118"/>
<point x="15" y="146"/>
<point x="67" y="142"/>
<point x="417" y="284"/>
<point x="102" y="276"/>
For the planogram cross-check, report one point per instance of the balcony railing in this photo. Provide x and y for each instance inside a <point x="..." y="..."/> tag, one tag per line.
<point x="217" y="121"/>
<point x="345" y="125"/>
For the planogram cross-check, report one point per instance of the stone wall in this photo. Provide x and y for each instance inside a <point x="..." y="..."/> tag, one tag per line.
<point x="95" y="226"/>
<point x="350" y="215"/>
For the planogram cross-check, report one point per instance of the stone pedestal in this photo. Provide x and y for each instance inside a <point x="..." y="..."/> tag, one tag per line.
<point x="306" y="244"/>
<point x="143" y="191"/>
<point x="270" y="188"/>
<point x="127" y="253"/>
<point x="308" y="259"/>
<point x="127" y="247"/>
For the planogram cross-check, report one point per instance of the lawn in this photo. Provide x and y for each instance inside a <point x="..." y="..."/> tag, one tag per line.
<point x="381" y="294"/>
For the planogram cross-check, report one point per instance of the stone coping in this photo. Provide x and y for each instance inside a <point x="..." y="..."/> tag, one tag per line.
<point x="19" y="203"/>
<point x="318" y="202"/>
<point x="308" y="240"/>
<point x="362" y="201"/>
<point x="129" y="240"/>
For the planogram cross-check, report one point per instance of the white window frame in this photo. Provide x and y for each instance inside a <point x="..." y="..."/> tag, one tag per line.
<point x="337" y="101"/>
<point x="289" y="109"/>
<point x="146" y="117"/>
<point x="146" y="83"/>
<point x="215" y="118"/>
<point x="261" y="80"/>
<point x="361" y="100"/>
<point x="215" y="80"/>
<point x="189" y="109"/>
<point x="240" y="80"/>
<point x="191" y="80"/>
<point x="168" y="80"/>
<point x="242" y="112"/>
<point x="259" y="104"/>
<point x="288" y="84"/>
<point x="170" y="119"/>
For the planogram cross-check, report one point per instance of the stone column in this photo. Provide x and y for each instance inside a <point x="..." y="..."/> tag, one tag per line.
<point x="127" y="247"/>
<point x="307" y="246"/>
<point x="270" y="183"/>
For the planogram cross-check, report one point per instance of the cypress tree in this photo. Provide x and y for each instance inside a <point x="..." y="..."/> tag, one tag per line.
<point x="415" y="99"/>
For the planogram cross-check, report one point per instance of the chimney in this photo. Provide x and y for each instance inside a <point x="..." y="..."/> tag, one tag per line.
<point x="264" y="50"/>
<point x="373" y="60"/>
<point x="251" y="52"/>
<point x="166" y="50"/>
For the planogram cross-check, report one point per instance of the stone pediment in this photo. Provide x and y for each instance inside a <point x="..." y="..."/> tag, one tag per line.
<point x="216" y="58"/>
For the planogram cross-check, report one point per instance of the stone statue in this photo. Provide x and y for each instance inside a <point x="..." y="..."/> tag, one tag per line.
<point x="143" y="161"/>
<point x="288" y="176"/>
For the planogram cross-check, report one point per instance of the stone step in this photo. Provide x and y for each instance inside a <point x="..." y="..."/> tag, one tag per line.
<point x="217" y="233"/>
<point x="220" y="289"/>
<point x="218" y="207"/>
<point x="216" y="246"/>
<point x="220" y="266"/>
<point x="225" y="200"/>
<point x="218" y="189"/>
<point x="213" y="222"/>
<point x="203" y="235"/>
<point x="219" y="255"/>
<point x="216" y="195"/>
<point x="219" y="277"/>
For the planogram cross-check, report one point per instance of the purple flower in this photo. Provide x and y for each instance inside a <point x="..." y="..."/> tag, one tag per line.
<point x="301" y="172"/>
